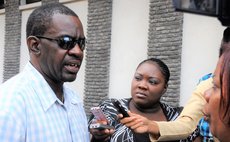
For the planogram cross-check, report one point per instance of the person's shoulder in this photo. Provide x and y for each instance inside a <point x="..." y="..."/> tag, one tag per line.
<point x="26" y="81"/>
<point x="204" y="85"/>
<point x="172" y="108"/>
<point x="171" y="112"/>
<point x="111" y="100"/>
<point x="109" y="103"/>
<point x="13" y="94"/>
<point x="15" y="85"/>
<point x="124" y="102"/>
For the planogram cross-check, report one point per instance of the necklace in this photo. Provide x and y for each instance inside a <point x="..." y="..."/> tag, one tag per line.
<point x="147" y="110"/>
<point x="154" y="109"/>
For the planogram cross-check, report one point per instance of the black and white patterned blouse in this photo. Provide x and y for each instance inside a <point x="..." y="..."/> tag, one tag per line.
<point x="122" y="133"/>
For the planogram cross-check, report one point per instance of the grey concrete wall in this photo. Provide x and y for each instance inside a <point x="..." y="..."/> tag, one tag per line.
<point x="12" y="39"/>
<point x="97" y="52"/>
<point x="165" y="42"/>
<point x="49" y="1"/>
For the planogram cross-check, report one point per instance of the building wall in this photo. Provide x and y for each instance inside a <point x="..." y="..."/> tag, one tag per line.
<point x="201" y="41"/>
<point x="128" y="41"/>
<point x="97" y="52"/>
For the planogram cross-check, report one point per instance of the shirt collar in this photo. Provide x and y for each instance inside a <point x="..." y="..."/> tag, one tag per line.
<point x="41" y="87"/>
<point x="70" y="96"/>
<point x="45" y="93"/>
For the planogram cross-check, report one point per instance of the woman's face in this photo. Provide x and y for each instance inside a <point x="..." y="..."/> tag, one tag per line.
<point x="212" y="108"/>
<point x="148" y="85"/>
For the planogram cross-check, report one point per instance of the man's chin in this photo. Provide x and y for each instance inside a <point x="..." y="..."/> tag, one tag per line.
<point x="70" y="78"/>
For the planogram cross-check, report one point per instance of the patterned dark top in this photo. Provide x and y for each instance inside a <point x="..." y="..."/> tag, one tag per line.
<point x="124" y="134"/>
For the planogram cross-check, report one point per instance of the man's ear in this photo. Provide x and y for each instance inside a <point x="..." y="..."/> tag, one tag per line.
<point x="33" y="45"/>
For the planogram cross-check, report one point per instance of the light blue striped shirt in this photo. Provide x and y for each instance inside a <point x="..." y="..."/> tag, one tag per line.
<point x="31" y="112"/>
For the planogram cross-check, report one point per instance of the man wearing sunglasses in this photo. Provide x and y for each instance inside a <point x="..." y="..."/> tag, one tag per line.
<point x="36" y="105"/>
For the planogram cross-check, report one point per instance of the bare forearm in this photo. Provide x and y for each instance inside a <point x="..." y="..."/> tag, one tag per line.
<point x="186" y="123"/>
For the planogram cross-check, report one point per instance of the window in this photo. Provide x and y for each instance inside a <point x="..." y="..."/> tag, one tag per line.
<point x="2" y="4"/>
<point x="31" y="1"/>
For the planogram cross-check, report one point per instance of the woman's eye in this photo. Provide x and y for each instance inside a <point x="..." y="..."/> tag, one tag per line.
<point x="153" y="81"/>
<point x="214" y="87"/>
<point x="137" y="78"/>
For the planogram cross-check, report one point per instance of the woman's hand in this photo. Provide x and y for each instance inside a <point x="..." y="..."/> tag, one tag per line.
<point x="140" y="124"/>
<point x="135" y="122"/>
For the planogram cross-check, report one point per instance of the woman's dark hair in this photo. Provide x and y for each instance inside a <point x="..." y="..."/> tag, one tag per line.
<point x="163" y="67"/>
<point x="225" y="41"/>
<point x="226" y="35"/>
<point x="41" y="18"/>
<point x="225" y="87"/>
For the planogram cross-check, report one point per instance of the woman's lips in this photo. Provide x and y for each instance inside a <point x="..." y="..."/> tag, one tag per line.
<point x="206" y="116"/>
<point x="141" y="95"/>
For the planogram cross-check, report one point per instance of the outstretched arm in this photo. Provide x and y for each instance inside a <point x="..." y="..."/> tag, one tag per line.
<point x="140" y="124"/>
<point x="181" y="128"/>
<point x="187" y="122"/>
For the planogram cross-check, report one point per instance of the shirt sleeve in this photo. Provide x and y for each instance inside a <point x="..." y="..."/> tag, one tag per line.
<point x="187" y="122"/>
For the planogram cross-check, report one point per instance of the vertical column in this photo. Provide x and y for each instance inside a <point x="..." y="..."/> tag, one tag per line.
<point x="12" y="39"/>
<point x="165" y="42"/>
<point x="97" y="52"/>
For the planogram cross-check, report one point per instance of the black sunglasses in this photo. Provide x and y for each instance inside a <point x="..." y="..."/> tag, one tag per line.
<point x="67" y="42"/>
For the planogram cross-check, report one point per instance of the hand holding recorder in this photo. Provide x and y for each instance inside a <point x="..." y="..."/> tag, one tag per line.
<point x="120" y="108"/>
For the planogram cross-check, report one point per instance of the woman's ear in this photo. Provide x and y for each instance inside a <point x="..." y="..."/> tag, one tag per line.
<point x="33" y="45"/>
<point x="165" y="88"/>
